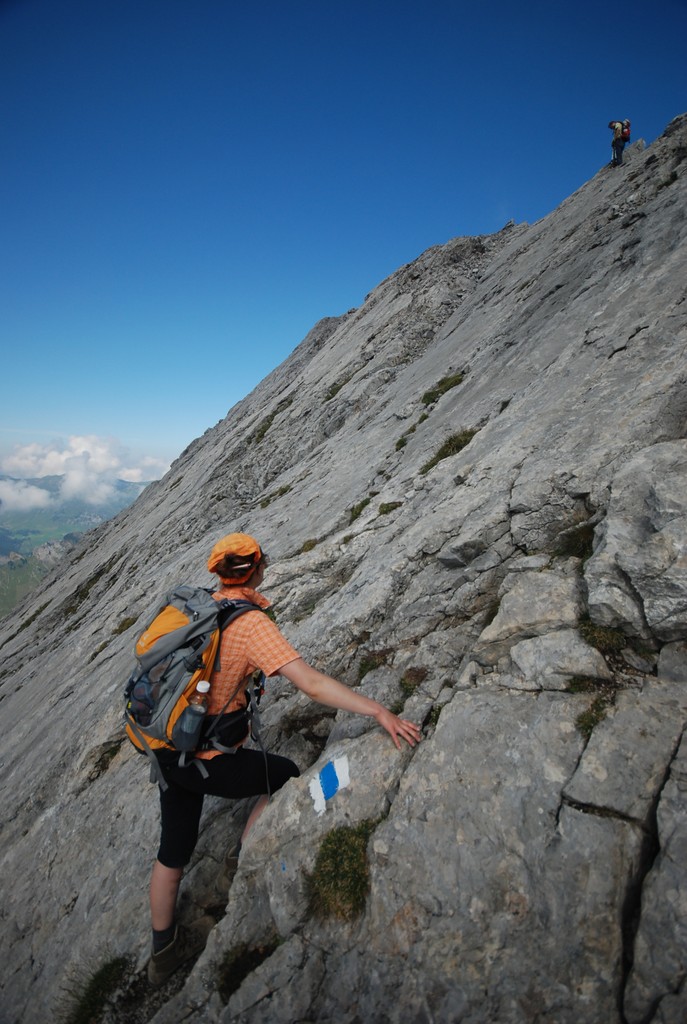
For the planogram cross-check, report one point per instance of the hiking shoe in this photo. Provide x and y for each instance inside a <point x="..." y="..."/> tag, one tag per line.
<point x="187" y="943"/>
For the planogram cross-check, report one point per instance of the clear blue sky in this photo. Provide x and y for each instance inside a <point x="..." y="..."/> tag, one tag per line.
<point x="187" y="186"/>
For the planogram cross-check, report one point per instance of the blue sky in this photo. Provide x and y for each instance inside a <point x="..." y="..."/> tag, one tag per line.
<point x="187" y="186"/>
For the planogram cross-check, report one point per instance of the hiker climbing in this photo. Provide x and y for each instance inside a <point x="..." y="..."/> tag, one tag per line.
<point x="621" y="136"/>
<point x="221" y="764"/>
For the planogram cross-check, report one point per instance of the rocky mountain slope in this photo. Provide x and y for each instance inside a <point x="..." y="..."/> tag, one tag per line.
<point x="473" y="490"/>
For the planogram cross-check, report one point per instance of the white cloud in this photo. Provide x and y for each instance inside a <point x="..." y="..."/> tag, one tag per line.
<point x="17" y="496"/>
<point x="147" y="468"/>
<point x="89" y="464"/>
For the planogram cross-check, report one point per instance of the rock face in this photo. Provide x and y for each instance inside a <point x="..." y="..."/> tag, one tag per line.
<point x="473" y="490"/>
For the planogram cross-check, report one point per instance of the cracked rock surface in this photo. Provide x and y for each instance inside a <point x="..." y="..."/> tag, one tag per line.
<point x="473" y="489"/>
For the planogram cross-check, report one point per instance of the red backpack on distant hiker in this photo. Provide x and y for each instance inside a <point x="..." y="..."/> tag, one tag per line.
<point x="624" y="129"/>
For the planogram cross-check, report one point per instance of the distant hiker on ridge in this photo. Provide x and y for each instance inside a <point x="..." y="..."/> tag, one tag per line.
<point x="248" y="643"/>
<point x="621" y="135"/>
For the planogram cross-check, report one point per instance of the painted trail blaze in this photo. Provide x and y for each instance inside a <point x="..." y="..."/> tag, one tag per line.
<point x="327" y="783"/>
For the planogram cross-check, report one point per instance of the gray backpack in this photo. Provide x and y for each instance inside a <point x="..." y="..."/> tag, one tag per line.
<point x="177" y="649"/>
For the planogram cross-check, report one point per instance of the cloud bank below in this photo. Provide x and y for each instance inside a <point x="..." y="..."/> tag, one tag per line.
<point x="88" y="468"/>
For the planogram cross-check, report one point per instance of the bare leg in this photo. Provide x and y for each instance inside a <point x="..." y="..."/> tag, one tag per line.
<point x="254" y="815"/>
<point x="164" y="887"/>
<point x="173" y="945"/>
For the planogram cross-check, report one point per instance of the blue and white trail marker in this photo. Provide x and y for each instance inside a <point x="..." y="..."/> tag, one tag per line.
<point x="333" y="777"/>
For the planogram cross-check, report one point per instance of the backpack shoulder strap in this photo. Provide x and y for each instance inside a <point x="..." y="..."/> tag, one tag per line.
<point x="230" y="610"/>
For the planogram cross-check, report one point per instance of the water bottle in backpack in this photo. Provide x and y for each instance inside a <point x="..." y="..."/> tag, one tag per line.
<point x="187" y="729"/>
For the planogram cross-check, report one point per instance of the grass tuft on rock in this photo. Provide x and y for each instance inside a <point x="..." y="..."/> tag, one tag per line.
<point x="358" y="509"/>
<point x="372" y="660"/>
<point x="340" y="880"/>
<point x="412" y="678"/>
<point x="604" y="696"/>
<point x="389" y="506"/>
<point x="86" y="999"/>
<point x="604" y="638"/>
<point x="587" y="721"/>
<point x="125" y="624"/>
<point x="451" y="446"/>
<point x="576" y="542"/>
<point x="441" y="387"/>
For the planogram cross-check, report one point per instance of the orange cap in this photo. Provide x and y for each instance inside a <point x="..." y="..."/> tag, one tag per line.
<point x="237" y="544"/>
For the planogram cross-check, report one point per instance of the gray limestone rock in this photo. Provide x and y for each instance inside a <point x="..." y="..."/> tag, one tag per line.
<point x="624" y="766"/>
<point x="638" y="574"/>
<point x="533" y="604"/>
<point x="657" y="979"/>
<point x="672" y="663"/>
<point x="551" y="661"/>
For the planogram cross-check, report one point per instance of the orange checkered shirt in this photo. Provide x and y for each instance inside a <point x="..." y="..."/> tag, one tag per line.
<point x="250" y="642"/>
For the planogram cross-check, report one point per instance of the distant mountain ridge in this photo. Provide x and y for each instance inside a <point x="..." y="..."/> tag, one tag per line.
<point x="54" y="484"/>
<point x="33" y="540"/>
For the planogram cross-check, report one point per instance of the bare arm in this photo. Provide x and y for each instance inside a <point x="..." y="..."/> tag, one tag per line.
<point x="326" y="690"/>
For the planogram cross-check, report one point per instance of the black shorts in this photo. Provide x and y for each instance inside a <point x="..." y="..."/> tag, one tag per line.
<point x="234" y="776"/>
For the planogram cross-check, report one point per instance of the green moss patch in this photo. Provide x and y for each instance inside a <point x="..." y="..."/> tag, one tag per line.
<point x="340" y="881"/>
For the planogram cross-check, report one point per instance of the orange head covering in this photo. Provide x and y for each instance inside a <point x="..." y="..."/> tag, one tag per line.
<point x="245" y="553"/>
